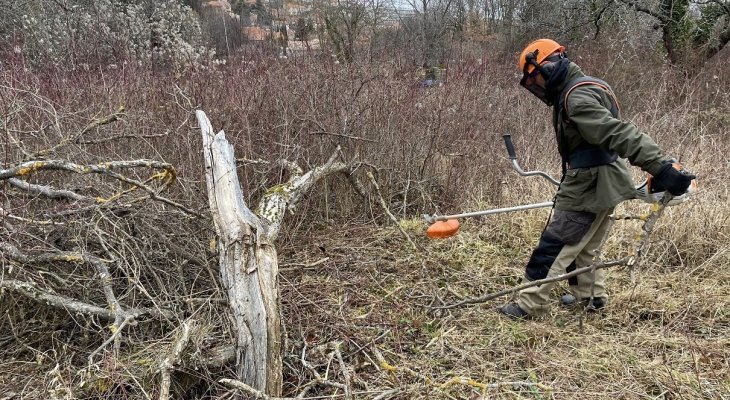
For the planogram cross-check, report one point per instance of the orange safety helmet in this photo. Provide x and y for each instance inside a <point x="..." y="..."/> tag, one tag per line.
<point x="543" y="49"/>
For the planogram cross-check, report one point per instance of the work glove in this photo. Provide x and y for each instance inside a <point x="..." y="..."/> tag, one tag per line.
<point x="672" y="180"/>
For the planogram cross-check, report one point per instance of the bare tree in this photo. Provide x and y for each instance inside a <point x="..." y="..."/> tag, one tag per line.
<point x="343" y="22"/>
<point x="432" y="23"/>
<point x="247" y="254"/>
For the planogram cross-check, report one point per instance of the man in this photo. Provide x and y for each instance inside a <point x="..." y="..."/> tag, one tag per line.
<point x="591" y="138"/>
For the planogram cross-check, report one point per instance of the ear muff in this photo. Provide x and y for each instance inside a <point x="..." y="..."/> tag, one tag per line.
<point x="550" y="64"/>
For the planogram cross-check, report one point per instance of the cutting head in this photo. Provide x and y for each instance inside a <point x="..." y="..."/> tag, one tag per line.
<point x="443" y="229"/>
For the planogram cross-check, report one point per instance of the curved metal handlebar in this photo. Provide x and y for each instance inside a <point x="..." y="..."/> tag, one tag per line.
<point x="513" y="157"/>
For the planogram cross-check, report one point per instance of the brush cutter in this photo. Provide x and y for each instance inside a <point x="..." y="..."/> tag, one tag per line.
<point x="444" y="226"/>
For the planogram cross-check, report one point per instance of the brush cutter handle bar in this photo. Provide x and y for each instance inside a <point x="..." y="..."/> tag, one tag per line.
<point x="434" y="218"/>
<point x="510" y="147"/>
<point x="513" y="157"/>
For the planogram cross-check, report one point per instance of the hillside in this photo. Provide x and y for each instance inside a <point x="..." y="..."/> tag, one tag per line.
<point x="118" y="282"/>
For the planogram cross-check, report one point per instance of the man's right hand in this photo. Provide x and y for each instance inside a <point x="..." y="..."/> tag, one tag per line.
<point x="672" y="180"/>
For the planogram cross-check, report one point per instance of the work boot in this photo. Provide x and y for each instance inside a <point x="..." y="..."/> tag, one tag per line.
<point x="514" y="311"/>
<point x="569" y="301"/>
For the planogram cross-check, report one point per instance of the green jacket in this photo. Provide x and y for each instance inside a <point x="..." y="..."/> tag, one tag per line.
<point x="603" y="187"/>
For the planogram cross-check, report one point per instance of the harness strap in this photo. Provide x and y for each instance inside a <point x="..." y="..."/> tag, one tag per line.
<point x="590" y="156"/>
<point x="583" y="81"/>
<point x="586" y="155"/>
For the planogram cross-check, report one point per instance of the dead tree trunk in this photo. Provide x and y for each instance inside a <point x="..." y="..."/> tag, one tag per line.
<point x="247" y="255"/>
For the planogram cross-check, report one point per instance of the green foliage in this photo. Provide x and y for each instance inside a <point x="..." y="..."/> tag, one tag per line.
<point x="711" y="15"/>
<point x="679" y="24"/>
<point x="691" y="29"/>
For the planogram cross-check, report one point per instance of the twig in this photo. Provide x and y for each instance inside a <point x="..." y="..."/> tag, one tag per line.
<point x="121" y="136"/>
<point x="344" y="136"/>
<point x="5" y="215"/>
<point x="390" y="214"/>
<point x="318" y="378"/>
<point x="462" y="380"/>
<point x="93" y="124"/>
<point x="393" y="369"/>
<point x="236" y="384"/>
<point x="371" y="342"/>
<point x="257" y="161"/>
<point x="386" y="394"/>
<point x="484" y="386"/>
<point x="345" y="374"/>
<point x="129" y="318"/>
<point x="292" y="267"/>
<point x="121" y="316"/>
<point x="440" y="335"/>
<point x="173" y="358"/>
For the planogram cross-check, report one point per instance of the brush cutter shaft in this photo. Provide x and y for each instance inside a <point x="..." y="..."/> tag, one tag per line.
<point x="434" y="218"/>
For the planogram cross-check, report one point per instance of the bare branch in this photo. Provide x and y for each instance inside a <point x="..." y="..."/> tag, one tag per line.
<point x="345" y="374"/>
<point x="121" y="136"/>
<point x="102" y="270"/>
<point x="167" y="176"/>
<point x="645" y="10"/>
<point x="115" y="311"/>
<point x="6" y="215"/>
<point x="257" y="394"/>
<point x="29" y="167"/>
<point x="344" y="136"/>
<point x="173" y="358"/>
<point x="285" y="197"/>
<point x="45" y="191"/>
<point x="384" y="206"/>
<point x="117" y="331"/>
<point x="32" y="291"/>
<point x="319" y="379"/>
<point x="93" y="124"/>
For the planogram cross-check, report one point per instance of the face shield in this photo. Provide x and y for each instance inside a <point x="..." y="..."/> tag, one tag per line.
<point x="529" y="82"/>
<point x="530" y="79"/>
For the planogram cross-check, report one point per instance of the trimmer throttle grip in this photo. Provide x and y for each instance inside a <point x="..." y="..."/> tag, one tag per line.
<point x="510" y="147"/>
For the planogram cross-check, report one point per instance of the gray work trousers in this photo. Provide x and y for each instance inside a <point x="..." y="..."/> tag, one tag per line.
<point x="571" y="240"/>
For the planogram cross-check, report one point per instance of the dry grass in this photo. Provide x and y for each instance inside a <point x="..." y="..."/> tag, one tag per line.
<point x="347" y="277"/>
<point x="663" y="336"/>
